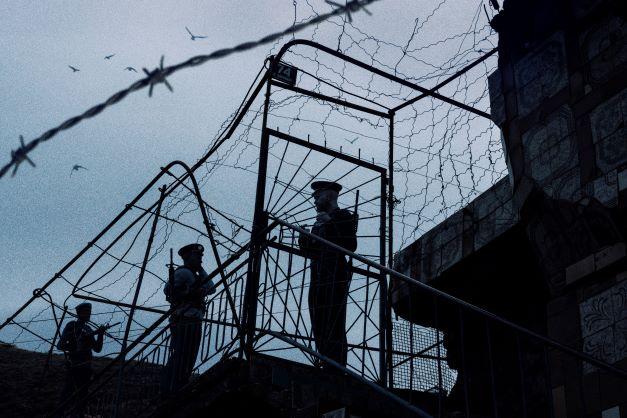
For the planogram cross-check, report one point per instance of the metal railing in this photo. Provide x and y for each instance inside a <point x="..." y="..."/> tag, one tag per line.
<point x="472" y="363"/>
<point x="467" y="362"/>
<point x="138" y="377"/>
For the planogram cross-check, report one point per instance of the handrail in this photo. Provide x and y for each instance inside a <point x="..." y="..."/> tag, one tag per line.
<point x="489" y="315"/>
<point x="148" y="331"/>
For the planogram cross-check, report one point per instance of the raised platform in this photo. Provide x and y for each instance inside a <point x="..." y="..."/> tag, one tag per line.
<point x="271" y="386"/>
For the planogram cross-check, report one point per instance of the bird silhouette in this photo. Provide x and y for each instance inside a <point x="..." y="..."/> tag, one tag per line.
<point x="108" y="57"/>
<point x="76" y="168"/>
<point x="130" y="69"/>
<point x="74" y="69"/>
<point x="353" y="141"/>
<point x="194" y="37"/>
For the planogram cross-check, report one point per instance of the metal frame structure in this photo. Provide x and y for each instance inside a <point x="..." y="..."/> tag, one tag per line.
<point x="150" y="347"/>
<point x="260" y="218"/>
<point x="384" y="306"/>
<point x="247" y="327"/>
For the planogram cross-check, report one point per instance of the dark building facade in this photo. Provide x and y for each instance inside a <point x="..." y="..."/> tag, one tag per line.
<point x="545" y="247"/>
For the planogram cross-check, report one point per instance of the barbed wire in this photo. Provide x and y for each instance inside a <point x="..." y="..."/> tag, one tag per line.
<point x="160" y="74"/>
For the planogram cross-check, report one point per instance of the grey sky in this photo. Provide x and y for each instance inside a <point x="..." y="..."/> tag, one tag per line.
<point x="47" y="216"/>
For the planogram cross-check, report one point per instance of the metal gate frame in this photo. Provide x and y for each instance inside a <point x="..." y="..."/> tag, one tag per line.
<point x="260" y="217"/>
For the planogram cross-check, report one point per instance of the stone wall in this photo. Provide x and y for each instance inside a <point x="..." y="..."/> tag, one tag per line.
<point x="560" y="98"/>
<point x="562" y="105"/>
<point x="463" y="233"/>
<point x="604" y="324"/>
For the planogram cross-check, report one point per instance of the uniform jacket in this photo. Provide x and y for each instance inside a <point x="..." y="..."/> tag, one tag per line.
<point x="78" y="340"/>
<point x="185" y="290"/>
<point x="340" y="230"/>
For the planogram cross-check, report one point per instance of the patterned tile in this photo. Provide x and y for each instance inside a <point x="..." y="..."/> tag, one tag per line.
<point x="605" y="48"/>
<point x="620" y="340"/>
<point x="604" y="325"/>
<point x="566" y="186"/>
<point x="496" y="196"/>
<point x="611" y="151"/>
<point x="492" y="213"/>
<point x="613" y="412"/>
<point x="601" y="345"/>
<point x="541" y="74"/>
<point x="619" y="301"/>
<point x="605" y="189"/>
<point x="596" y="313"/>
<point x="622" y="180"/>
<point x="607" y="117"/>
<point x="550" y="149"/>
<point x="608" y="122"/>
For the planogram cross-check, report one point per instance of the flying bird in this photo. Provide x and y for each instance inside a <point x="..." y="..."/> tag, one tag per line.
<point x="130" y="69"/>
<point x="76" y="168"/>
<point x="108" y="57"/>
<point x="74" y="69"/>
<point x="194" y="37"/>
<point x="353" y="141"/>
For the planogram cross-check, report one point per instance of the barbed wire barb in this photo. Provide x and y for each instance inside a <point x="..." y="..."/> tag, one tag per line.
<point x="157" y="76"/>
<point x="350" y="6"/>
<point x="20" y="155"/>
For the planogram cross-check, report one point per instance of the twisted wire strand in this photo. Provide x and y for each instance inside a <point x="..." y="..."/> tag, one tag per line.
<point x="160" y="74"/>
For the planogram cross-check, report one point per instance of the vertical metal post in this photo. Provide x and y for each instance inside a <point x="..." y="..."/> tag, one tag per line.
<point x="365" y="326"/>
<point x="260" y="221"/>
<point x="288" y="284"/>
<point x="54" y="339"/>
<point x="549" y="383"/>
<point x="438" y="353"/>
<point x="411" y="360"/>
<point x="390" y="234"/>
<point x="391" y="190"/>
<point x="462" y="351"/>
<point x="136" y="296"/>
<point x="521" y="372"/>
<point x="495" y="408"/>
<point x="216" y="255"/>
<point x="300" y="301"/>
<point x="383" y="369"/>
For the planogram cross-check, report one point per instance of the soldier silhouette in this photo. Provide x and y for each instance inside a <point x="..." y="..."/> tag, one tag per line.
<point x="186" y="291"/>
<point x="78" y="341"/>
<point x="330" y="274"/>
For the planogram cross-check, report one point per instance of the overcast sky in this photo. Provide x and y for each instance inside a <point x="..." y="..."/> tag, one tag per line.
<point x="48" y="215"/>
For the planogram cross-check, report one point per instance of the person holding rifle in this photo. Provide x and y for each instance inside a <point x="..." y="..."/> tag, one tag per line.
<point x="187" y="287"/>
<point x="77" y="341"/>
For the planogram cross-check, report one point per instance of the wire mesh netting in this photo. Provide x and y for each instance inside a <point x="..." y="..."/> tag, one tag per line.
<point x="441" y="156"/>
<point x="419" y="359"/>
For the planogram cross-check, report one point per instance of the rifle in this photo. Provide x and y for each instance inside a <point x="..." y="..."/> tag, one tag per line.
<point x="104" y="328"/>
<point x="170" y="285"/>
